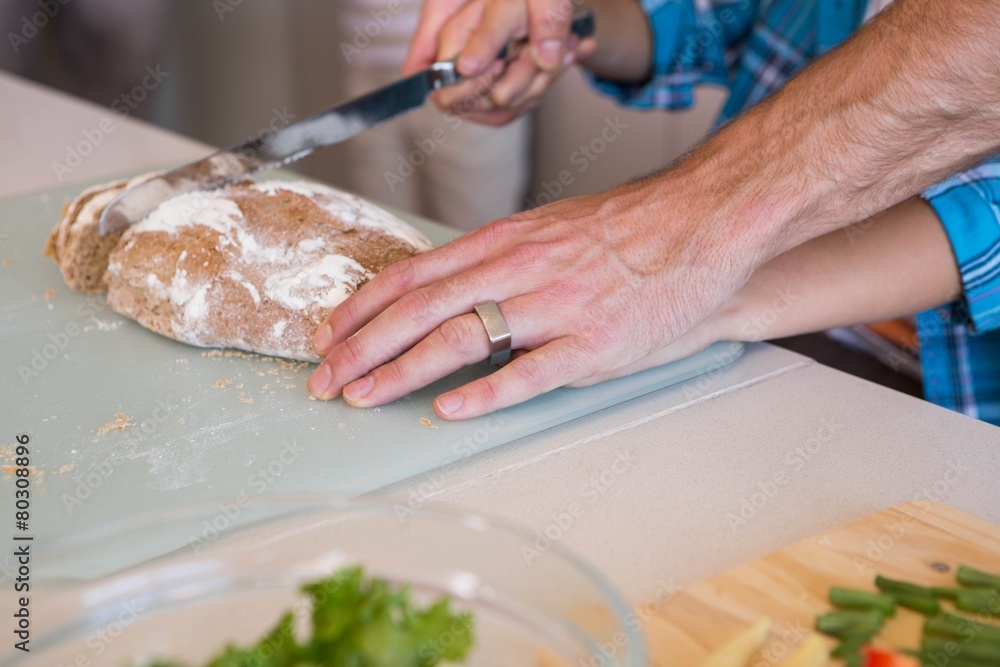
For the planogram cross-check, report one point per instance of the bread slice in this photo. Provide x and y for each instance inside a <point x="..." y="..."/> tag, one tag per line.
<point x="76" y="244"/>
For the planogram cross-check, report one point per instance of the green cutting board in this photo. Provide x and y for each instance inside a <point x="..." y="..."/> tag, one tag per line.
<point x="211" y="425"/>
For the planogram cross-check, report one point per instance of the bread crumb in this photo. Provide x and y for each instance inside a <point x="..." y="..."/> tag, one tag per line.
<point x="120" y="423"/>
<point x="48" y="294"/>
<point x="65" y="468"/>
<point x="182" y="360"/>
<point x="341" y="425"/>
<point x="7" y="261"/>
<point x="273" y="371"/>
<point x="312" y="398"/>
<point x="181" y="421"/>
<point x="350" y="436"/>
<point x="212" y="353"/>
<point x="288" y="386"/>
<point x="11" y="470"/>
<point x="221" y="384"/>
<point x="427" y="422"/>
<point x="245" y="398"/>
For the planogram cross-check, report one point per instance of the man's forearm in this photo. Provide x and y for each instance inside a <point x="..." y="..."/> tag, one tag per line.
<point x="910" y="99"/>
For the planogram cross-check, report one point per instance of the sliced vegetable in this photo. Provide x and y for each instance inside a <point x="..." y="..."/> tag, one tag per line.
<point x="919" y="604"/>
<point x="850" y="598"/>
<point x="851" y="624"/>
<point x="984" y="652"/>
<point x="970" y="576"/>
<point x="811" y="652"/>
<point x="978" y="601"/>
<point x="738" y="651"/>
<point x="883" y="657"/>
<point x="896" y="588"/>
<point x="849" y="647"/>
<point x="950" y="626"/>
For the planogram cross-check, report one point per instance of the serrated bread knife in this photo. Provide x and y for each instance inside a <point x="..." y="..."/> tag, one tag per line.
<point x="293" y="142"/>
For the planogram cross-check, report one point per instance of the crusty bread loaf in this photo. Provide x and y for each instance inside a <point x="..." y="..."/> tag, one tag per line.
<point x="76" y="244"/>
<point x="254" y="266"/>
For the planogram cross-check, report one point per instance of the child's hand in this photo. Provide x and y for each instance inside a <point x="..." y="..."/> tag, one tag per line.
<point x="474" y="32"/>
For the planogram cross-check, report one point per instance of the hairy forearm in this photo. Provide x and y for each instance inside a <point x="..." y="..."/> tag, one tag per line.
<point x="911" y="98"/>
<point x="624" y="42"/>
<point x="895" y="264"/>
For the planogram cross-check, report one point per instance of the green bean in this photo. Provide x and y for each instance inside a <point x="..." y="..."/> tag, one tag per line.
<point x="855" y="599"/>
<point x="970" y="576"/>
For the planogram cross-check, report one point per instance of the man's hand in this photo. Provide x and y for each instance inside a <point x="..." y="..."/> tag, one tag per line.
<point x="591" y="288"/>
<point x="599" y="286"/>
<point x="475" y="31"/>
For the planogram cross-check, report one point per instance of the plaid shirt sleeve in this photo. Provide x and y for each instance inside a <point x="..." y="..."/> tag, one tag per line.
<point x="692" y="41"/>
<point x="969" y="208"/>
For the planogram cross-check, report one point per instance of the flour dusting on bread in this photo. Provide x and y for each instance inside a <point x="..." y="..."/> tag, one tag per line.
<point x="255" y="266"/>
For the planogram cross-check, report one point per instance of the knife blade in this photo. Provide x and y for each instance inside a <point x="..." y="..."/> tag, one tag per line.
<point x="293" y="142"/>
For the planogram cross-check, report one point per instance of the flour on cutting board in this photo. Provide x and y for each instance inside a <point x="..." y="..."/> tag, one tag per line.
<point x="173" y="438"/>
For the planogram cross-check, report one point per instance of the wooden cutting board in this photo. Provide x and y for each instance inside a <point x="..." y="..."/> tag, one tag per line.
<point x="922" y="542"/>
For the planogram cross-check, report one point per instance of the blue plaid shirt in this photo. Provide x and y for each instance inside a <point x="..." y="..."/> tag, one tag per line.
<point x="752" y="47"/>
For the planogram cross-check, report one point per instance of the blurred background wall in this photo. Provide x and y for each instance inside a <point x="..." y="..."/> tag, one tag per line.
<point x="228" y="69"/>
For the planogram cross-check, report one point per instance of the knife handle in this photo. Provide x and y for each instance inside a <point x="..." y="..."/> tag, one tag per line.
<point x="444" y="73"/>
<point x="582" y="26"/>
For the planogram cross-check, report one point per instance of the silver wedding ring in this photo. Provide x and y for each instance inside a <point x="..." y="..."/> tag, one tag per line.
<point x="496" y="329"/>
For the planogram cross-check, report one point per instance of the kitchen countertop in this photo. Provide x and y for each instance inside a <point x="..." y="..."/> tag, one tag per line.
<point x="667" y="489"/>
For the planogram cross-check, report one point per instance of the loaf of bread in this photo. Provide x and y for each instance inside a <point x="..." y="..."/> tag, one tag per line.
<point x="253" y="266"/>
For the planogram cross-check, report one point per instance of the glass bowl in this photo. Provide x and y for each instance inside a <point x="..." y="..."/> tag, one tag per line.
<point x="188" y="583"/>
